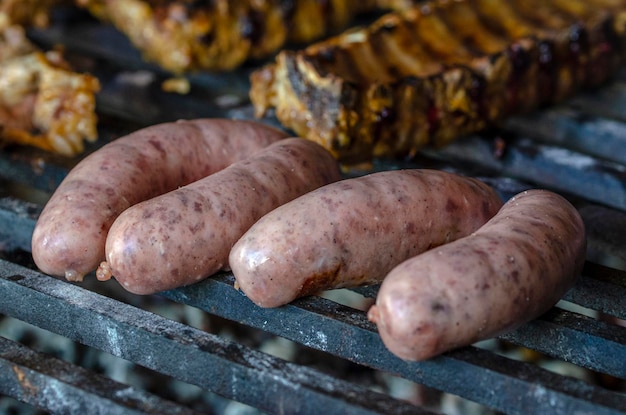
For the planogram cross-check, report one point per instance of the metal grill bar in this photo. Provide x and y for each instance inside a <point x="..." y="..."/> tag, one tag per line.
<point x="608" y="102"/>
<point x="576" y="339"/>
<point x="17" y="221"/>
<point x="602" y="289"/>
<point x="43" y="173"/>
<point x="60" y="387"/>
<point x="472" y="373"/>
<point x="569" y="128"/>
<point x="552" y="167"/>
<point x="227" y="368"/>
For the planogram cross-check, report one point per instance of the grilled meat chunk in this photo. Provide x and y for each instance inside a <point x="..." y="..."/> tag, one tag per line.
<point x="27" y="12"/>
<point x="187" y="35"/>
<point x="43" y="103"/>
<point x="439" y="70"/>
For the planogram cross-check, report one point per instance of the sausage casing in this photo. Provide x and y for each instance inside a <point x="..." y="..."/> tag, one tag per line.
<point x="185" y="235"/>
<point x="354" y="231"/>
<point x="511" y="270"/>
<point x="70" y="233"/>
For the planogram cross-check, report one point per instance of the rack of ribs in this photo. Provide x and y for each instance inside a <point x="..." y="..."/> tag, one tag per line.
<point x="439" y="70"/>
<point x="219" y="35"/>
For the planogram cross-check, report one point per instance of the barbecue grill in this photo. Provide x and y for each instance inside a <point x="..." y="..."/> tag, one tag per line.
<point x="577" y="149"/>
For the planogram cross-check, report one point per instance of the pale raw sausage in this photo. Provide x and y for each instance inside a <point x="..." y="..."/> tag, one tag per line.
<point x="185" y="235"/>
<point x="355" y="231"/>
<point x="508" y="272"/>
<point x="69" y="236"/>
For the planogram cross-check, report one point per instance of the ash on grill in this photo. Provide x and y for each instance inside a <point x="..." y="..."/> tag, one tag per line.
<point x="204" y="353"/>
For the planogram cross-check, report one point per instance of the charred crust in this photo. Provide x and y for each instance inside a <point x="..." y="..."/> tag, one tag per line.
<point x="357" y="116"/>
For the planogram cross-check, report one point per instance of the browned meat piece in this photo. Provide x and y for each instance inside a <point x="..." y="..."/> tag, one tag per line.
<point x="42" y="102"/>
<point x="437" y="71"/>
<point x="27" y="12"/>
<point x="186" y="35"/>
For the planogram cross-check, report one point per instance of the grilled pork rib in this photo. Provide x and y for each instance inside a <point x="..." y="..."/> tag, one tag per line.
<point x="437" y="71"/>
<point x="186" y="35"/>
<point x="27" y="12"/>
<point x="43" y="103"/>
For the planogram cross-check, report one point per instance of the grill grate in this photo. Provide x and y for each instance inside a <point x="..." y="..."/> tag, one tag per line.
<point x="577" y="149"/>
<point x="61" y="387"/>
<point x="185" y="353"/>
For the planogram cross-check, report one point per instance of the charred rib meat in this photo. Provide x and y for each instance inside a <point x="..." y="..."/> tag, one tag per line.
<point x="43" y="103"/>
<point x="186" y="35"/>
<point x="437" y="71"/>
<point x="27" y="12"/>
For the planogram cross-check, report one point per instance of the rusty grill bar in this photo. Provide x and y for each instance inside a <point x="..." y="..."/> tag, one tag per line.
<point x="577" y="149"/>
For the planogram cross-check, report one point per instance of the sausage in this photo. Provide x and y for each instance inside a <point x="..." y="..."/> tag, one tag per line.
<point x="354" y="231"/>
<point x="185" y="235"/>
<point x="511" y="270"/>
<point x="68" y="239"/>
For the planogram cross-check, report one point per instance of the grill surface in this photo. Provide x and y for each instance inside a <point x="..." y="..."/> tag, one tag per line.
<point x="577" y="149"/>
